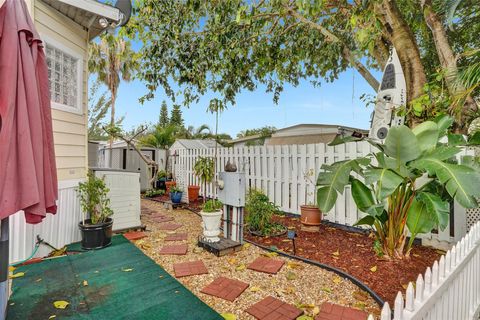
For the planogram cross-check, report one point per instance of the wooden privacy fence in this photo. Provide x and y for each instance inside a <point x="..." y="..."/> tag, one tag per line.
<point x="450" y="290"/>
<point x="287" y="174"/>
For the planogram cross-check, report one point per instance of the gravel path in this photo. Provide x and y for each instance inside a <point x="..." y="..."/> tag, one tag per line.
<point x="298" y="283"/>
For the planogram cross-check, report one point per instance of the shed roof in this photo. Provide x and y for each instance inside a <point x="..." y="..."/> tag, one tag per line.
<point x="194" y="143"/>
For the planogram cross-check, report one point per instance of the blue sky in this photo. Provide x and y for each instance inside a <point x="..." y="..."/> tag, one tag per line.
<point x="331" y="103"/>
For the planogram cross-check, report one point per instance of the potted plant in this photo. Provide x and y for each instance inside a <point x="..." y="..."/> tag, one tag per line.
<point x="407" y="185"/>
<point x="97" y="229"/>
<point x="176" y="194"/>
<point x="161" y="179"/>
<point x="193" y="192"/>
<point x="260" y="211"/>
<point x="310" y="214"/>
<point x="168" y="185"/>
<point x="211" y="217"/>
<point x="205" y="169"/>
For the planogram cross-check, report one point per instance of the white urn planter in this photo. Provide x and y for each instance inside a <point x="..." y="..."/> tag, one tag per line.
<point x="211" y="225"/>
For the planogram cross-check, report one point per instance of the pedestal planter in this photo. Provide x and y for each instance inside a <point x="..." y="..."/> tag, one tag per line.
<point x="96" y="236"/>
<point x="193" y="192"/>
<point x="168" y="185"/>
<point x="211" y="225"/>
<point x="176" y="197"/>
<point x="311" y="218"/>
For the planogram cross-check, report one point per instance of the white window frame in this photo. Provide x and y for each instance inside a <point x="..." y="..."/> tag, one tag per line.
<point x="60" y="106"/>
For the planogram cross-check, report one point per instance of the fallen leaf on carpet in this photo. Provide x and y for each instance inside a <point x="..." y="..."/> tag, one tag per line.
<point x="17" y="275"/>
<point x="228" y="316"/>
<point x="286" y="240"/>
<point x="301" y="305"/>
<point x="360" y="305"/>
<point x="373" y="269"/>
<point x="294" y="265"/>
<point x="232" y="261"/>
<point x="60" y="304"/>
<point x="246" y="246"/>
<point x="290" y="290"/>
<point x="127" y="270"/>
<point x="85" y="283"/>
<point x="52" y="317"/>
<point x="38" y="280"/>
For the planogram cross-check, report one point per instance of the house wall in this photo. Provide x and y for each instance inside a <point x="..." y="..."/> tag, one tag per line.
<point x="69" y="129"/>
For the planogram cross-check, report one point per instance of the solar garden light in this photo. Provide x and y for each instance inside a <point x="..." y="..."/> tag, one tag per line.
<point x="291" y="234"/>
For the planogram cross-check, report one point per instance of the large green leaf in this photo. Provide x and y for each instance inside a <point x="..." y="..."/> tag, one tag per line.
<point x="427" y="135"/>
<point x="443" y="153"/>
<point x="367" y="220"/>
<point x="461" y="182"/>
<point x="326" y="198"/>
<point x="385" y="180"/>
<point x="362" y="195"/>
<point x="438" y="208"/>
<point x="444" y="122"/>
<point x="474" y="139"/>
<point x="419" y="219"/>
<point x="401" y="144"/>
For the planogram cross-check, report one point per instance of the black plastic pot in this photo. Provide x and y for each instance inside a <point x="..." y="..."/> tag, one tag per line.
<point x="160" y="184"/>
<point x="96" y="236"/>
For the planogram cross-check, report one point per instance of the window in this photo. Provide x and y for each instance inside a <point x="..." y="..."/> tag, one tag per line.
<point x="64" y="75"/>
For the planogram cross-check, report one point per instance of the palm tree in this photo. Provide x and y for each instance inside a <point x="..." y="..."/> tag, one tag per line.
<point x="113" y="60"/>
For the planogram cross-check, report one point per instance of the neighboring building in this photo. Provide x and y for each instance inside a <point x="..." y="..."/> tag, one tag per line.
<point x="256" y="139"/>
<point x="66" y="28"/>
<point x="128" y="159"/>
<point x="312" y="133"/>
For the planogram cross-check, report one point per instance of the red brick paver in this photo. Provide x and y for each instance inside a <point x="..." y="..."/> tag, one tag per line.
<point x="134" y="235"/>
<point x="271" y="308"/>
<point x="186" y="269"/>
<point x="162" y="219"/>
<point x="178" y="249"/>
<point x="170" y="226"/>
<point x="329" y="311"/>
<point x="267" y="265"/>
<point x="225" y="288"/>
<point x="176" y="237"/>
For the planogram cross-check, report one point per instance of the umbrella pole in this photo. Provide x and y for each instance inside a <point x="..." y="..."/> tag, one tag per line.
<point x="4" y="227"/>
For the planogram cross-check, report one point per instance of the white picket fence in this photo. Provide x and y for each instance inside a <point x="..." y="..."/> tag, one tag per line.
<point x="280" y="171"/>
<point x="450" y="290"/>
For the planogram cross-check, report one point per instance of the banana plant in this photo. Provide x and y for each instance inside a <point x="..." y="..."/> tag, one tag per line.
<point x="408" y="183"/>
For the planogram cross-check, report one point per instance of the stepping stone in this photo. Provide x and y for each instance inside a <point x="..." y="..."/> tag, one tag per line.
<point x="271" y="308"/>
<point x="170" y="226"/>
<point x="329" y="311"/>
<point x="225" y="288"/>
<point x="162" y="219"/>
<point x="178" y="249"/>
<point x="186" y="269"/>
<point x="176" y="237"/>
<point x="267" y="265"/>
<point x="134" y="235"/>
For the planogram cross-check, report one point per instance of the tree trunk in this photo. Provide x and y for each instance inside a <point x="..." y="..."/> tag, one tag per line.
<point x="408" y="52"/>
<point x="448" y="63"/>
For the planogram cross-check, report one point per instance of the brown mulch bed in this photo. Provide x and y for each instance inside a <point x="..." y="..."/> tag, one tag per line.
<point x="353" y="253"/>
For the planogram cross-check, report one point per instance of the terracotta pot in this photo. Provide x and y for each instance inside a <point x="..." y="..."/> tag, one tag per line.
<point x="193" y="192"/>
<point x="310" y="215"/>
<point x="168" y="185"/>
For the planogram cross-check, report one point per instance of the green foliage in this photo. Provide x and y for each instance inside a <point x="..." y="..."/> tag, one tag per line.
<point x="260" y="212"/>
<point x="263" y="132"/>
<point x="176" y="116"/>
<point x="163" y="120"/>
<point x="154" y="192"/>
<point x="212" y="205"/>
<point x="94" y="200"/>
<point x="160" y="137"/>
<point x="204" y="168"/>
<point x="161" y="174"/>
<point x="175" y="189"/>
<point x="408" y="183"/>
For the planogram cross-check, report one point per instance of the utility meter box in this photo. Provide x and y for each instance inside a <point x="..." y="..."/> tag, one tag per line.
<point x="233" y="192"/>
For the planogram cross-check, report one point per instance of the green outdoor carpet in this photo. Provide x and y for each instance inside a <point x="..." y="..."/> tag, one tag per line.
<point x="113" y="292"/>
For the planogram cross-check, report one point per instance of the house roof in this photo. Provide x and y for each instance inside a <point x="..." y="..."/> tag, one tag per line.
<point x="194" y="143"/>
<point x="88" y="13"/>
<point x="247" y="138"/>
<point x="317" y="128"/>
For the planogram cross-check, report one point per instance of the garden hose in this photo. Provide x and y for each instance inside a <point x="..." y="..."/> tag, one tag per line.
<point x="55" y="252"/>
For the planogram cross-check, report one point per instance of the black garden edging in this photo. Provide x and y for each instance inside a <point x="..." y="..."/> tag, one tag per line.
<point x="326" y="267"/>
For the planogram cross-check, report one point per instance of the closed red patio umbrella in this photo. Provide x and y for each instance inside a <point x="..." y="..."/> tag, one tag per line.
<point x="28" y="179"/>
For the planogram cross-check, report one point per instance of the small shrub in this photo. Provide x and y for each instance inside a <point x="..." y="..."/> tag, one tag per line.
<point x="94" y="200"/>
<point x="260" y="211"/>
<point x="154" y="192"/>
<point x="175" y="189"/>
<point x="212" y="206"/>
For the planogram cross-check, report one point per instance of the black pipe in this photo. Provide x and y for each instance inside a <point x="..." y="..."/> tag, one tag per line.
<point x="326" y="267"/>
